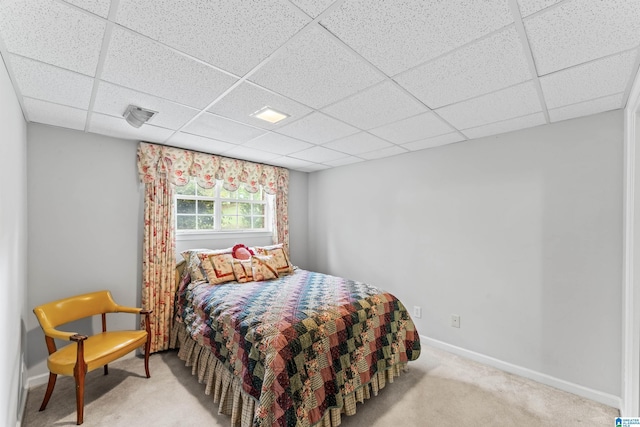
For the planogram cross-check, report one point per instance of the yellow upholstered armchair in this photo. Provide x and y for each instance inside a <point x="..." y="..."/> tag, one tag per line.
<point x="86" y="353"/>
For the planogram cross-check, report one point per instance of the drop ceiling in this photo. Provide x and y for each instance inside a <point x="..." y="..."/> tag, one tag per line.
<point x="359" y="79"/>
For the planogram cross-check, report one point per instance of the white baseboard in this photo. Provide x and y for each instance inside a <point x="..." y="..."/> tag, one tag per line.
<point x="23" y="405"/>
<point x="37" y="380"/>
<point x="595" y="395"/>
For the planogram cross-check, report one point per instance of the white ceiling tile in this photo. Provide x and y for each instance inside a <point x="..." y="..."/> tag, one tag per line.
<point x="587" y="81"/>
<point x="248" y="98"/>
<point x="581" y="30"/>
<point x="317" y="128"/>
<point x="232" y="35"/>
<point x="276" y="143"/>
<point x="344" y="161"/>
<point x="43" y="81"/>
<point x="52" y="32"/>
<point x="376" y="106"/>
<point x="313" y="167"/>
<point x="413" y="128"/>
<point x="114" y="100"/>
<point x="251" y="154"/>
<point x="119" y="128"/>
<point x="385" y="152"/>
<point x="434" y="142"/>
<point x="318" y="154"/>
<point x="400" y="34"/>
<point x="606" y="103"/>
<point x="200" y="143"/>
<point x="490" y="64"/>
<point x="98" y="7"/>
<point x="509" y="103"/>
<point x="136" y="62"/>
<point x="316" y="70"/>
<point x="517" y="123"/>
<point x="358" y="143"/>
<point x="53" y="114"/>
<point x="290" y="162"/>
<point x="312" y="7"/>
<point x="527" y="7"/>
<point x="216" y="127"/>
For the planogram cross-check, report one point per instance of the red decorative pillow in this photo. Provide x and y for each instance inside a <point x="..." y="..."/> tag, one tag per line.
<point x="240" y="251"/>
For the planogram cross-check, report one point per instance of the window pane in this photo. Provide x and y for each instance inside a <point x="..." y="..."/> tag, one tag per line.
<point x="258" y="209"/>
<point x="186" y="206"/>
<point x="244" y="222"/>
<point x="206" y="192"/>
<point x="258" y="195"/>
<point x="229" y="222"/>
<point x="229" y="208"/>
<point x="205" y="222"/>
<point x="205" y="207"/>
<point x="186" y="222"/>
<point x="244" y="208"/>
<point x="243" y="194"/>
<point x="226" y="194"/>
<point x="188" y="190"/>
<point x="258" y="222"/>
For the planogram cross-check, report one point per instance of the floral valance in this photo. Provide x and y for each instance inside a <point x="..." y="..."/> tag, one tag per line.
<point x="180" y="164"/>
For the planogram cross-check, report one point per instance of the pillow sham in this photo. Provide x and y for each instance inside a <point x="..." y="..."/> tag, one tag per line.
<point x="219" y="267"/>
<point x="283" y="266"/>
<point x="264" y="268"/>
<point x="194" y="267"/>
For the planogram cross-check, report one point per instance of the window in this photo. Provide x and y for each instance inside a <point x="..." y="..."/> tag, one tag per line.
<point x="216" y="209"/>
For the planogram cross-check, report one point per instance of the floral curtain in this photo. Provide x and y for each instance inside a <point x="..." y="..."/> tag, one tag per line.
<point x="162" y="167"/>
<point x="158" y="251"/>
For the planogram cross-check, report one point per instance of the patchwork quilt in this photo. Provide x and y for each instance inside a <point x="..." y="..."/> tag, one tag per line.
<point x="301" y="342"/>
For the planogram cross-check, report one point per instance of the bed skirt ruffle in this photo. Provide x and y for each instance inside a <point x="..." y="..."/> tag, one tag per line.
<point x="232" y="400"/>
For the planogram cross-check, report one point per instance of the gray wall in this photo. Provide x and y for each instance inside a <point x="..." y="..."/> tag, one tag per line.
<point x="85" y="219"/>
<point x="519" y="234"/>
<point x="85" y="224"/>
<point x="13" y="249"/>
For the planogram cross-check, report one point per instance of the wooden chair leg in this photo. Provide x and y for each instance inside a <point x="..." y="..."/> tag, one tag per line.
<point x="79" y="373"/>
<point x="147" y="346"/>
<point x="147" y="350"/>
<point x="106" y="370"/>
<point x="47" y="394"/>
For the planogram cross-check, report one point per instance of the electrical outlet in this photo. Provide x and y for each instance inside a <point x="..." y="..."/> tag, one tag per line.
<point x="417" y="311"/>
<point x="455" y="320"/>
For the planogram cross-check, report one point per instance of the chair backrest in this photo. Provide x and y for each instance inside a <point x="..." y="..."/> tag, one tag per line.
<point x="55" y="313"/>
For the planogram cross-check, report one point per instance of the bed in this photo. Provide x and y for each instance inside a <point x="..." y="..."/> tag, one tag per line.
<point x="297" y="349"/>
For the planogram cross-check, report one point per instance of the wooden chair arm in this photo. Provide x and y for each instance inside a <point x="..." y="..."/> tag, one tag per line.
<point x="146" y="312"/>
<point x="78" y="337"/>
<point x="61" y="335"/>
<point x="123" y="309"/>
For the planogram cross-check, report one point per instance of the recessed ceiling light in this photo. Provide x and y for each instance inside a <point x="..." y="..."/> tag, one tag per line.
<point x="137" y="116"/>
<point x="270" y="115"/>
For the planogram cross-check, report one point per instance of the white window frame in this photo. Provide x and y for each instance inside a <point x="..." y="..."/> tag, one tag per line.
<point x="217" y="232"/>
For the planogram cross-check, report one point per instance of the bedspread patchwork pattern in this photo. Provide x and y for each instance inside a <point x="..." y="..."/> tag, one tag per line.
<point x="302" y="342"/>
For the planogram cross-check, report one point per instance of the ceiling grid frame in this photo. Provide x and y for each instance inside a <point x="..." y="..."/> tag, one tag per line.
<point x="104" y="97"/>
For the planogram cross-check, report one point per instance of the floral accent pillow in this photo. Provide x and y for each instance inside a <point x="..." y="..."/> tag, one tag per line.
<point x="195" y="264"/>
<point x="283" y="266"/>
<point x="219" y="267"/>
<point x="194" y="267"/>
<point x="264" y="268"/>
<point x="242" y="270"/>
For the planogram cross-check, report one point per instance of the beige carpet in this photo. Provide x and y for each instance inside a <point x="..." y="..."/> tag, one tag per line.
<point x="440" y="389"/>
